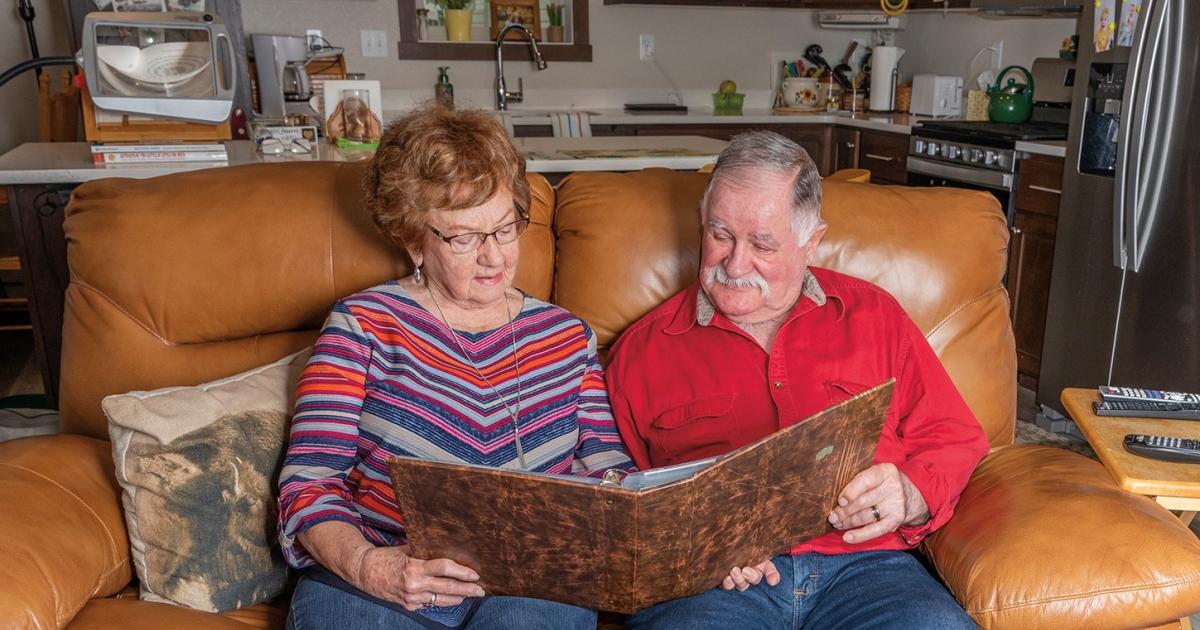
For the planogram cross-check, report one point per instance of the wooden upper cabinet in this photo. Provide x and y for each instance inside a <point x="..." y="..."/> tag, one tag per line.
<point x="805" y="4"/>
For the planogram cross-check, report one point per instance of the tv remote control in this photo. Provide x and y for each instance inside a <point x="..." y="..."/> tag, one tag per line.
<point x="1146" y="395"/>
<point x="1163" y="447"/>
<point x="1131" y="409"/>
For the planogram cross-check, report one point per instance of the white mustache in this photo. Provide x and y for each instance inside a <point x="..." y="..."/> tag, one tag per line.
<point x="716" y="273"/>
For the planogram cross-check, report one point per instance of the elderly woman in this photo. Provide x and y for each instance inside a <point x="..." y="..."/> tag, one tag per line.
<point x="451" y="363"/>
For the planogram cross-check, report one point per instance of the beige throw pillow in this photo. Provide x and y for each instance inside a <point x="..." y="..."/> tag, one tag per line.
<point x="197" y="468"/>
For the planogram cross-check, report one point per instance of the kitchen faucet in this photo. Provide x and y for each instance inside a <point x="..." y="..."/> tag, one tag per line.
<point x="503" y="96"/>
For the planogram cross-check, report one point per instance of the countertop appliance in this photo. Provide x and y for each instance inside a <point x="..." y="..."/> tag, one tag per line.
<point x="283" y="84"/>
<point x="983" y="154"/>
<point x="936" y="95"/>
<point x="173" y="65"/>
<point x="1125" y="287"/>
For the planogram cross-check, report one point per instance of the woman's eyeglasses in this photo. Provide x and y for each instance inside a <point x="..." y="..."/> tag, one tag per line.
<point x="275" y="146"/>
<point x="472" y="241"/>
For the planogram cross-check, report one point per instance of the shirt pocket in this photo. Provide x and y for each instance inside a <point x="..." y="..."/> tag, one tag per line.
<point x="839" y="390"/>
<point x="695" y="429"/>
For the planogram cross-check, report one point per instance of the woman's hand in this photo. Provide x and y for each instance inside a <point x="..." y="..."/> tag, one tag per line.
<point x="743" y="578"/>
<point x="390" y="573"/>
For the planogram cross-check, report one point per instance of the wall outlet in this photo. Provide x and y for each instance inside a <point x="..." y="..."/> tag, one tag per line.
<point x="314" y="38"/>
<point x="646" y="47"/>
<point x="374" y="43"/>
<point x="997" y="54"/>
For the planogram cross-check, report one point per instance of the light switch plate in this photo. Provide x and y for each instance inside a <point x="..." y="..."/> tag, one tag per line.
<point x="374" y="43"/>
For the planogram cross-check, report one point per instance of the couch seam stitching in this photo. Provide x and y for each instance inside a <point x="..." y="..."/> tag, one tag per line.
<point x="961" y="308"/>
<point x="107" y="532"/>
<point x="1124" y="589"/>
<point x="121" y="309"/>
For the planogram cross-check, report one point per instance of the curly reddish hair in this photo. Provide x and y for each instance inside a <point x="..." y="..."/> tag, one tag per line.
<point x="436" y="159"/>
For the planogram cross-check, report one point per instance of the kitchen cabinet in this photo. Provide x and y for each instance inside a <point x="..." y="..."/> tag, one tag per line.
<point x="805" y="4"/>
<point x="816" y="139"/>
<point x="1031" y="255"/>
<point x="885" y="155"/>
<point x="844" y="152"/>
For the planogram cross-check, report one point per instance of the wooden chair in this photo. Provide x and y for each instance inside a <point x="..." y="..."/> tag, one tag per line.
<point x="58" y="112"/>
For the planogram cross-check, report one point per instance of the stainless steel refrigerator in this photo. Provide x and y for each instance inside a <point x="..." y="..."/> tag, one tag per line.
<point x="1124" y="306"/>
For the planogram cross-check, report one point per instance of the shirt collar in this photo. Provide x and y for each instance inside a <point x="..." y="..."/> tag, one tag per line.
<point x="701" y="310"/>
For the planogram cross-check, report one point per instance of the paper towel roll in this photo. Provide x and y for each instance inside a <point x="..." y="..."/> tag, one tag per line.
<point x="884" y="60"/>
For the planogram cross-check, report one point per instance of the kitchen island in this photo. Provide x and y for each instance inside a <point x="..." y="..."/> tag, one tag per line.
<point x="41" y="176"/>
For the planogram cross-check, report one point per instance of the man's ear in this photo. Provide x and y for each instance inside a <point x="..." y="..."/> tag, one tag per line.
<point x="810" y="248"/>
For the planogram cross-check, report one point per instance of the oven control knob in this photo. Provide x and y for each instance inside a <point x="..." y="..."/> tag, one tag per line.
<point x="976" y="155"/>
<point x="990" y="158"/>
<point x="952" y="152"/>
<point x="918" y="146"/>
<point x="932" y="149"/>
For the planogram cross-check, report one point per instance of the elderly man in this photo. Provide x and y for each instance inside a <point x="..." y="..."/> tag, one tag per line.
<point x="762" y="341"/>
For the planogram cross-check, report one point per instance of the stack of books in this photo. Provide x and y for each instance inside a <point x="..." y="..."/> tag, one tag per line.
<point x="146" y="153"/>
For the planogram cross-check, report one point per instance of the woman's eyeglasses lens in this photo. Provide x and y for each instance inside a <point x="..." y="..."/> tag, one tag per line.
<point x="472" y="241"/>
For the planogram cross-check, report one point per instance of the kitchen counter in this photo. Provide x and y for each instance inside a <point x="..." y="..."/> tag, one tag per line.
<point x="895" y="123"/>
<point x="1052" y="148"/>
<point x="71" y="162"/>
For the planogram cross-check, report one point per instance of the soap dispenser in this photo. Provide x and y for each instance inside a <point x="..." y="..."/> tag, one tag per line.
<point x="443" y="91"/>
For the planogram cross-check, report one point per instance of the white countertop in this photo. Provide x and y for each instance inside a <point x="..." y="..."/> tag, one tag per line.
<point x="895" y="123"/>
<point x="71" y="162"/>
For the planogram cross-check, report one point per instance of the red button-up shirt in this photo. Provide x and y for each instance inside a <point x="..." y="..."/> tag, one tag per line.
<point x="687" y="383"/>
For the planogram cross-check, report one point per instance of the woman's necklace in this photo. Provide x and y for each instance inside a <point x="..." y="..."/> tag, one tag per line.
<point x="516" y="366"/>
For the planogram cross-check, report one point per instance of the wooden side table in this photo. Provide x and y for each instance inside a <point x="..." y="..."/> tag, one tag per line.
<point x="1175" y="486"/>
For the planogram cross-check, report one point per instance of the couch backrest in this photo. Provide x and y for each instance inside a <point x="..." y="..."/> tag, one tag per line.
<point x="628" y="241"/>
<point x="187" y="278"/>
<point x="183" y="279"/>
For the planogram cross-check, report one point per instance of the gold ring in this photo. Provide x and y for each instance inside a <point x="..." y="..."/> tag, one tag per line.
<point x="875" y="512"/>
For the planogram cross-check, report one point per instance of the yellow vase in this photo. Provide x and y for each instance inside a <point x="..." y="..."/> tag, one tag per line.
<point x="458" y="25"/>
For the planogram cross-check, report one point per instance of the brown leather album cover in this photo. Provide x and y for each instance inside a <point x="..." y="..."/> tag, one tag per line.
<point x="658" y="535"/>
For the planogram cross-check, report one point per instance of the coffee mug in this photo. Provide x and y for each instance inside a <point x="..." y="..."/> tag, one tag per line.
<point x="801" y="92"/>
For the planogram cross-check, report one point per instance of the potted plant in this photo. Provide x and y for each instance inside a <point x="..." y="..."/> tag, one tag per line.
<point x="458" y="19"/>
<point x="554" y="12"/>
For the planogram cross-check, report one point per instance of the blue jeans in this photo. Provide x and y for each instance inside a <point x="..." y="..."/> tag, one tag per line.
<point x="316" y="606"/>
<point x="873" y="589"/>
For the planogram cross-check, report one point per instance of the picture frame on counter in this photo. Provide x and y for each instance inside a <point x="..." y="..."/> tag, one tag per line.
<point x="524" y="12"/>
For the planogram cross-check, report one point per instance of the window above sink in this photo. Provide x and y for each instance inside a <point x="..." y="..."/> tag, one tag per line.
<point x="411" y="46"/>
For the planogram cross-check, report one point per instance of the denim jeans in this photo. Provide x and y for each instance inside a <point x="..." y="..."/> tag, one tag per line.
<point x="873" y="589"/>
<point x="317" y="606"/>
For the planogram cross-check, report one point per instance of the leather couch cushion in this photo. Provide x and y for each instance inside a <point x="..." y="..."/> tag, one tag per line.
<point x="183" y="279"/>
<point x="197" y="468"/>
<point x="1011" y="554"/>
<point x="628" y="241"/>
<point x="66" y="541"/>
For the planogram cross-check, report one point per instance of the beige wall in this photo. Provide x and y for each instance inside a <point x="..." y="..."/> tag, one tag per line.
<point x="944" y="44"/>
<point x="696" y="46"/>
<point x="18" y="98"/>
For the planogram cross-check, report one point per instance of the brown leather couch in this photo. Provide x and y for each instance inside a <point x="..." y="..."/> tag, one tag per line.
<point x="191" y="277"/>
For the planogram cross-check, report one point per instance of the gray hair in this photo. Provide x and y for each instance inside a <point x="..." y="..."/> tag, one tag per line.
<point x="771" y="152"/>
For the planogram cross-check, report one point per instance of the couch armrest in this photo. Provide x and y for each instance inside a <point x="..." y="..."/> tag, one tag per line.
<point x="62" y="533"/>
<point x="1044" y="538"/>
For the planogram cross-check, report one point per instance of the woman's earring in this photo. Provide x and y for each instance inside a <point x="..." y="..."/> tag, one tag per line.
<point x="418" y="277"/>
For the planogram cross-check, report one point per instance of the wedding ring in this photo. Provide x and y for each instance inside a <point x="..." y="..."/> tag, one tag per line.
<point x="875" y="512"/>
<point x="432" y="601"/>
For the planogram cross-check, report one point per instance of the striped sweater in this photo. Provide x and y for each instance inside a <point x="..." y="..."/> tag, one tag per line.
<point x="386" y="378"/>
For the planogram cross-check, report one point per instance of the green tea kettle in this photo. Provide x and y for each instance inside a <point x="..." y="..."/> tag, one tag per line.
<point x="1012" y="103"/>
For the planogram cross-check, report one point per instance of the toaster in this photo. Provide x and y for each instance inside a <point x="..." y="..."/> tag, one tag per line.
<point x="936" y="95"/>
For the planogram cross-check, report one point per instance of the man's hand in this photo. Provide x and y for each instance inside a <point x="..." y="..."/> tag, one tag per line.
<point x="390" y="573"/>
<point x="877" y="501"/>
<point x="743" y="578"/>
